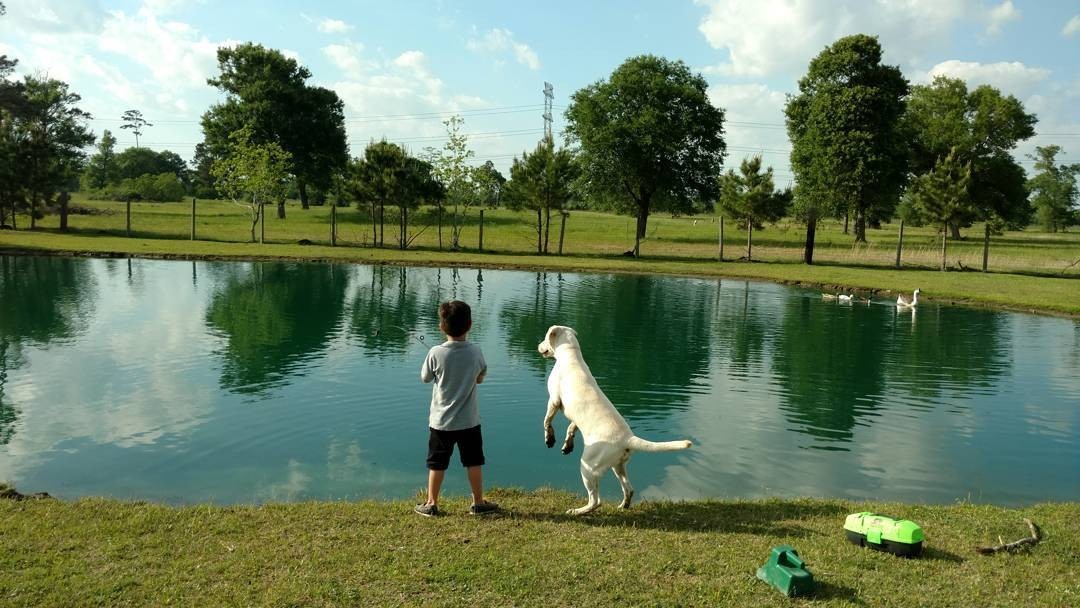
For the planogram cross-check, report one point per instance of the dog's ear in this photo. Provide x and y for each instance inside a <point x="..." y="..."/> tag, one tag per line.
<point x="553" y="333"/>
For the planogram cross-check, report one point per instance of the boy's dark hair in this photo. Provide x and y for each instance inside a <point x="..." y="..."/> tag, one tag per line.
<point x="455" y="318"/>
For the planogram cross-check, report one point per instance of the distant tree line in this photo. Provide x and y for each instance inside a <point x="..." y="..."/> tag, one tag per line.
<point x="867" y="146"/>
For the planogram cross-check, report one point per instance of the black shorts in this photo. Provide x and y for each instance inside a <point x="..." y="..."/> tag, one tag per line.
<point x="441" y="446"/>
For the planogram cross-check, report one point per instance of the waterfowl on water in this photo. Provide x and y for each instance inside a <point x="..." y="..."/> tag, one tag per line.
<point x="905" y="302"/>
<point x="844" y="297"/>
<point x="828" y="296"/>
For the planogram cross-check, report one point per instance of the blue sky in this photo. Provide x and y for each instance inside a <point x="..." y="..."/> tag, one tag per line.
<point x="401" y="67"/>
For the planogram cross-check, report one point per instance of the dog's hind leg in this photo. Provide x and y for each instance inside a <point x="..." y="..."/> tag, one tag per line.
<point x="591" y="478"/>
<point x="568" y="444"/>
<point x="627" y="490"/>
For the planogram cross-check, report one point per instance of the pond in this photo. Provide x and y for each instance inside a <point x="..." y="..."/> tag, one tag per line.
<point x="232" y="382"/>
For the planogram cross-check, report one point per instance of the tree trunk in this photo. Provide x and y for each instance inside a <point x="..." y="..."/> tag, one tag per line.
<point x="562" y="230"/>
<point x="638" y="234"/>
<point x="944" y="244"/>
<point x="539" y="231"/>
<point x="382" y="225"/>
<point x="440" y="227"/>
<point x="281" y="210"/>
<point x="262" y="222"/>
<point x="302" y="187"/>
<point x="547" y="228"/>
<point x="254" y="218"/>
<point x="900" y="243"/>
<point x="33" y="211"/>
<point x="749" y="235"/>
<point x="846" y="216"/>
<point x="404" y="226"/>
<point x="986" y="246"/>
<point x="64" y="198"/>
<point x="860" y="226"/>
<point x="808" y="248"/>
<point x="955" y="230"/>
<point x="374" y="227"/>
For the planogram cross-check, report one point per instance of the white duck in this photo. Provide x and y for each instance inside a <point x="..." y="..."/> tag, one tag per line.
<point x="844" y="297"/>
<point x="903" y="301"/>
<point x="828" y="296"/>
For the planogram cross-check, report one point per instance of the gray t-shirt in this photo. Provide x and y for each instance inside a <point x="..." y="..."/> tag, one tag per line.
<point x="454" y="366"/>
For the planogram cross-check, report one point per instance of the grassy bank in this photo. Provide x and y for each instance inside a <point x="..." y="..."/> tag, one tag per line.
<point x="102" y="552"/>
<point x="1029" y="269"/>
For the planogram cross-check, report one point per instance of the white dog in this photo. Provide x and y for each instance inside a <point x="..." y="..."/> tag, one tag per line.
<point x="609" y="442"/>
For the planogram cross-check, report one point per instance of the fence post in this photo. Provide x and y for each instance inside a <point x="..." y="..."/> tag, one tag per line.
<point x="262" y="223"/>
<point x="128" y="216"/>
<point x="481" y="247"/>
<point x="193" y="218"/>
<point x="333" y="224"/>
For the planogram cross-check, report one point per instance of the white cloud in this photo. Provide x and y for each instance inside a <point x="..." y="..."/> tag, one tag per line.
<point x="499" y="40"/>
<point x="1011" y="77"/>
<point x="347" y="58"/>
<point x="55" y="16"/>
<point x="334" y="26"/>
<point x="1072" y="26"/>
<point x="1000" y="15"/>
<point x="783" y="35"/>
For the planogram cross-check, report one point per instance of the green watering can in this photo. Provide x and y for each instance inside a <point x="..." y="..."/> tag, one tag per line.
<point x="785" y="571"/>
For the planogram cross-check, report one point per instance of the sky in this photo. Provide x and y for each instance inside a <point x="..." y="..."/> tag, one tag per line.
<point x="403" y="67"/>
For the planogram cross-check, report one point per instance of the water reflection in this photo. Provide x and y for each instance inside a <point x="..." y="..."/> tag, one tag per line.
<point x="126" y="380"/>
<point x="274" y="317"/>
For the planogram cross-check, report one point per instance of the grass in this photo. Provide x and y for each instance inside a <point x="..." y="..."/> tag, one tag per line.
<point x="704" y="553"/>
<point x="1029" y="270"/>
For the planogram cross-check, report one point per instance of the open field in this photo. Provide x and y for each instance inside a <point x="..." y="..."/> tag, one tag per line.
<point x="1029" y="270"/>
<point x="104" y="552"/>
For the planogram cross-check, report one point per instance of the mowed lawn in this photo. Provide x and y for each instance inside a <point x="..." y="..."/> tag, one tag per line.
<point x="96" y="552"/>
<point x="1029" y="270"/>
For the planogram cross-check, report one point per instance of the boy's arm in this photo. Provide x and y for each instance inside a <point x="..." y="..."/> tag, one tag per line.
<point x="427" y="374"/>
<point x="483" y="370"/>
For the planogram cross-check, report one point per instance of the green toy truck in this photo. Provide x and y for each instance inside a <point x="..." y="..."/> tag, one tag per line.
<point x="897" y="536"/>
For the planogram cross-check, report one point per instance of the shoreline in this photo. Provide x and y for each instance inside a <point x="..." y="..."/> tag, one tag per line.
<point x="774" y="272"/>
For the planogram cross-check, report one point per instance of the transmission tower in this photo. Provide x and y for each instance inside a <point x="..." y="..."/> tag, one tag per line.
<point x="549" y="96"/>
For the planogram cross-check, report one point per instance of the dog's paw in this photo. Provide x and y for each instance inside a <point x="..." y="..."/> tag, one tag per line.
<point x="566" y="448"/>
<point x="549" y="439"/>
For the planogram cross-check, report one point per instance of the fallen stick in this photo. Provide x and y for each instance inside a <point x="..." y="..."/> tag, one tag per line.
<point x="1016" y="544"/>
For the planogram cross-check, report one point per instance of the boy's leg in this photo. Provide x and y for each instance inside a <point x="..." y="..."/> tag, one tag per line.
<point x="434" y="484"/>
<point x="476" y="483"/>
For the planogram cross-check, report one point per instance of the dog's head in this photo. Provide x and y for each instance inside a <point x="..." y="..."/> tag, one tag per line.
<point x="557" y="335"/>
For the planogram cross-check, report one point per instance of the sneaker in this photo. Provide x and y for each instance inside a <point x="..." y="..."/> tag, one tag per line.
<point x="427" y="510"/>
<point x="483" y="508"/>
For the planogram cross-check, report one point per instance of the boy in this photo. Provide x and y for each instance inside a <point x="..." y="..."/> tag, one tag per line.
<point x="456" y="366"/>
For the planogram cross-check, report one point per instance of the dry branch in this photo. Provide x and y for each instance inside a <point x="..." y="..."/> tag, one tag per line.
<point x="1030" y="540"/>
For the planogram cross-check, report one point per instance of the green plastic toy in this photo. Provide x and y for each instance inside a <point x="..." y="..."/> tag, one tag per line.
<point x="785" y="571"/>
<point x="897" y="536"/>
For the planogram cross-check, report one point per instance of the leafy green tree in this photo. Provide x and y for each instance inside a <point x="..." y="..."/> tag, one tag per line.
<point x="648" y="136"/>
<point x="542" y="181"/>
<point x="377" y="180"/>
<point x="202" y="178"/>
<point x="1054" y="192"/>
<point x="983" y="127"/>
<point x="464" y="184"/>
<point x="101" y="170"/>
<point x="136" y="162"/>
<point x="133" y="120"/>
<point x="252" y="174"/>
<point x="267" y="91"/>
<point x="849" y="152"/>
<point x="418" y="186"/>
<point x="55" y="138"/>
<point x="750" y="196"/>
<point x="496" y="181"/>
<point x="942" y="195"/>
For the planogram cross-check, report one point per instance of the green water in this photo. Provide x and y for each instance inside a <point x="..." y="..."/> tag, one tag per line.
<point x="250" y="382"/>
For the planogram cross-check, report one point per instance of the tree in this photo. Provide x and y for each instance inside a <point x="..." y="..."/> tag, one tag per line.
<point x="942" y="195"/>
<point x="848" y="149"/>
<point x="133" y="119"/>
<point x="252" y="173"/>
<point x="418" y="186"/>
<point x="495" y="181"/>
<point x="267" y="91"/>
<point x="751" y="197"/>
<point x="1054" y="192"/>
<point x="136" y="162"/>
<point x="55" y="136"/>
<point x="377" y="180"/>
<point x="542" y="181"/>
<point x="983" y="127"/>
<point x="202" y="178"/>
<point x="464" y="185"/>
<point x="648" y="136"/>
<point x="101" y="169"/>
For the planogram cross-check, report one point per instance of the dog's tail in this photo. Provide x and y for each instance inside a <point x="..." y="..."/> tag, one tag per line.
<point x="644" y="445"/>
